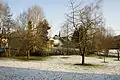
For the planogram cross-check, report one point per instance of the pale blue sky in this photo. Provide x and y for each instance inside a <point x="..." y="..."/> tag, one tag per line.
<point x="55" y="10"/>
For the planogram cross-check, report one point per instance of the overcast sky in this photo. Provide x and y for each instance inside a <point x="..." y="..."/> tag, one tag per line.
<point x="55" y="10"/>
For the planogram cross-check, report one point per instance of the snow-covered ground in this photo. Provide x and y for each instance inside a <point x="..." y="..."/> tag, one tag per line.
<point x="45" y="70"/>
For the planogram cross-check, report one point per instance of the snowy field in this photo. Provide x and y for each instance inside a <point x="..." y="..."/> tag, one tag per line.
<point x="59" y="68"/>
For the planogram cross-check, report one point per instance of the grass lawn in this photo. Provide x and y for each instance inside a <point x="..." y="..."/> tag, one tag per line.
<point x="32" y="58"/>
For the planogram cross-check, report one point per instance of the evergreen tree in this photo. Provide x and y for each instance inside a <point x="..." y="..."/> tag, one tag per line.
<point x="41" y="34"/>
<point x="29" y="39"/>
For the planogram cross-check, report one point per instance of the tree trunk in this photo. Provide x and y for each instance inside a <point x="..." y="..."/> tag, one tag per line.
<point x="104" y="57"/>
<point x="105" y="52"/>
<point x="67" y="40"/>
<point x="83" y="59"/>
<point x="9" y="51"/>
<point x="83" y="56"/>
<point x="28" y="55"/>
<point x="118" y="54"/>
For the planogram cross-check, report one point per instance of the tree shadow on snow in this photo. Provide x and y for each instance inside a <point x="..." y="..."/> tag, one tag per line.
<point x="65" y="57"/>
<point x="116" y="60"/>
<point x="91" y="65"/>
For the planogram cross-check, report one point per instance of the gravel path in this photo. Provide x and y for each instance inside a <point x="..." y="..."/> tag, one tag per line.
<point x="45" y="70"/>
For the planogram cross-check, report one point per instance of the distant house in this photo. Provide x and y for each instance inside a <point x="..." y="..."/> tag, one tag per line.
<point x="57" y="41"/>
<point x="115" y="44"/>
<point x="60" y="41"/>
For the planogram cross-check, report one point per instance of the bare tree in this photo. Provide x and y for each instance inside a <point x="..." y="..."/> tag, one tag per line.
<point x="35" y="14"/>
<point x="65" y="31"/>
<point x="85" y="20"/>
<point x="22" y="21"/>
